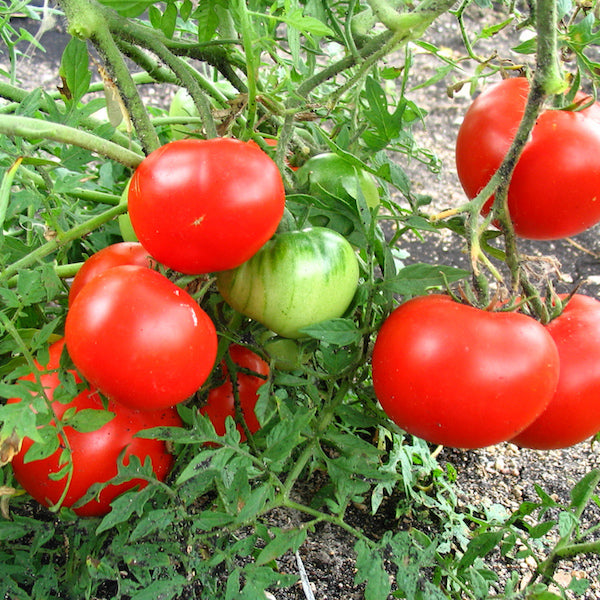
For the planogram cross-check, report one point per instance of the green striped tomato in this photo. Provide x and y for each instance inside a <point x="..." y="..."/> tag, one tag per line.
<point x="297" y="279"/>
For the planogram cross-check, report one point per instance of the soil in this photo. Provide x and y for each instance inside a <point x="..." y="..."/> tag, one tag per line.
<point x="503" y="474"/>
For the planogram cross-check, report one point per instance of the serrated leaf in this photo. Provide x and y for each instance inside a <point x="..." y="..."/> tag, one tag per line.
<point x="339" y="332"/>
<point x="419" y="278"/>
<point x="306" y="24"/>
<point x="480" y="546"/>
<point x="283" y="541"/>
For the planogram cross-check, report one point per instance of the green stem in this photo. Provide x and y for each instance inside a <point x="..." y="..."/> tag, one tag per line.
<point x="90" y="20"/>
<point x="61" y="240"/>
<point x="36" y="129"/>
<point x="17" y="95"/>
<point x="251" y="62"/>
<point x="5" y="188"/>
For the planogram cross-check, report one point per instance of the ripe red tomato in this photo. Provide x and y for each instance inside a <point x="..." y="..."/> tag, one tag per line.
<point x="122" y="253"/>
<point x="139" y="338"/>
<point x="200" y="206"/>
<point x="94" y="454"/>
<point x="554" y="189"/>
<point x="573" y="414"/>
<point x="221" y="403"/>
<point x="459" y="376"/>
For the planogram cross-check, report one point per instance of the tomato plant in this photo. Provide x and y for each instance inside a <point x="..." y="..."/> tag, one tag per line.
<point x="572" y="415"/>
<point x="554" y="188"/>
<point x="139" y="338"/>
<point x="200" y="206"/>
<point x="299" y="278"/>
<point x="331" y="177"/>
<point x="221" y="400"/>
<point x="461" y="376"/>
<point x="121" y="253"/>
<point x="93" y="454"/>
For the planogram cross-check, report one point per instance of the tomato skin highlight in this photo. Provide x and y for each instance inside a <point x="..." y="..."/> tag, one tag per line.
<point x="459" y="376"/>
<point x="220" y="403"/>
<point x="573" y="414"/>
<point x="201" y="206"/>
<point x="553" y="192"/>
<point x="121" y="253"/>
<point x="95" y="454"/>
<point x="140" y="339"/>
<point x="297" y="279"/>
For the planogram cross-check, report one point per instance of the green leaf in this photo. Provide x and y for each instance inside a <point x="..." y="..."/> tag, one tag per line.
<point x="338" y="332"/>
<point x="74" y="68"/>
<point x="90" y="419"/>
<point x="306" y="24"/>
<point x="419" y="278"/>
<point x="128" y="8"/>
<point x="479" y="546"/>
<point x="370" y="569"/>
<point x="124" y="506"/>
<point x="169" y="20"/>
<point x="283" y="540"/>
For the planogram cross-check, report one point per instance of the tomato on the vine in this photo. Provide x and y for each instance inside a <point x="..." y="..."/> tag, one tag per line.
<point x="200" y="206"/>
<point x="460" y="376"/>
<point x="221" y="400"/>
<point x="139" y="338"/>
<point x="121" y="253"/>
<point x="553" y="192"/>
<point x="573" y="414"/>
<point x="298" y="279"/>
<point x="93" y="455"/>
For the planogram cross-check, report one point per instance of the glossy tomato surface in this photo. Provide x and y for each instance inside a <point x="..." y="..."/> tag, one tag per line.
<point x="573" y="414"/>
<point x="200" y="206"/>
<point x="221" y="401"/>
<point x="299" y="278"/>
<point x="554" y="189"/>
<point x="122" y="253"/>
<point x="94" y="454"/>
<point x="459" y="376"/>
<point x="139" y="338"/>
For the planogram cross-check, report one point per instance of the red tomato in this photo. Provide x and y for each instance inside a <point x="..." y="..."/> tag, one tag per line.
<point x="94" y="454"/>
<point x="200" y="206"/>
<point x="573" y="414"/>
<point x="459" y="376"/>
<point x="122" y="253"/>
<point x="221" y="403"/>
<point x="554" y="189"/>
<point x="139" y="338"/>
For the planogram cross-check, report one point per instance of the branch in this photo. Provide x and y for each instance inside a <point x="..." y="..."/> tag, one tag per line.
<point x="35" y="129"/>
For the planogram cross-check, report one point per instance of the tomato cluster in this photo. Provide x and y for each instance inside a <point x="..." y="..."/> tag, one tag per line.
<point x="465" y="377"/>
<point x="143" y="345"/>
<point x="553" y="191"/>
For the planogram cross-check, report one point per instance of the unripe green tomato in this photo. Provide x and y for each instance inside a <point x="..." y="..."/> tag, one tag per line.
<point x="183" y="105"/>
<point x="125" y="227"/>
<point x="286" y="354"/>
<point x="328" y="176"/>
<point x="297" y="279"/>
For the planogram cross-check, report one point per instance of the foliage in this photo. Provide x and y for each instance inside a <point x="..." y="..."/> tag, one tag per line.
<point x="312" y="76"/>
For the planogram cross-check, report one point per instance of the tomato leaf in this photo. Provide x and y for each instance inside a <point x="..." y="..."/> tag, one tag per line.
<point x="284" y="540"/>
<point x="74" y="68"/>
<point x="129" y="8"/>
<point x="90" y="419"/>
<point x="339" y="332"/>
<point x="419" y="278"/>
